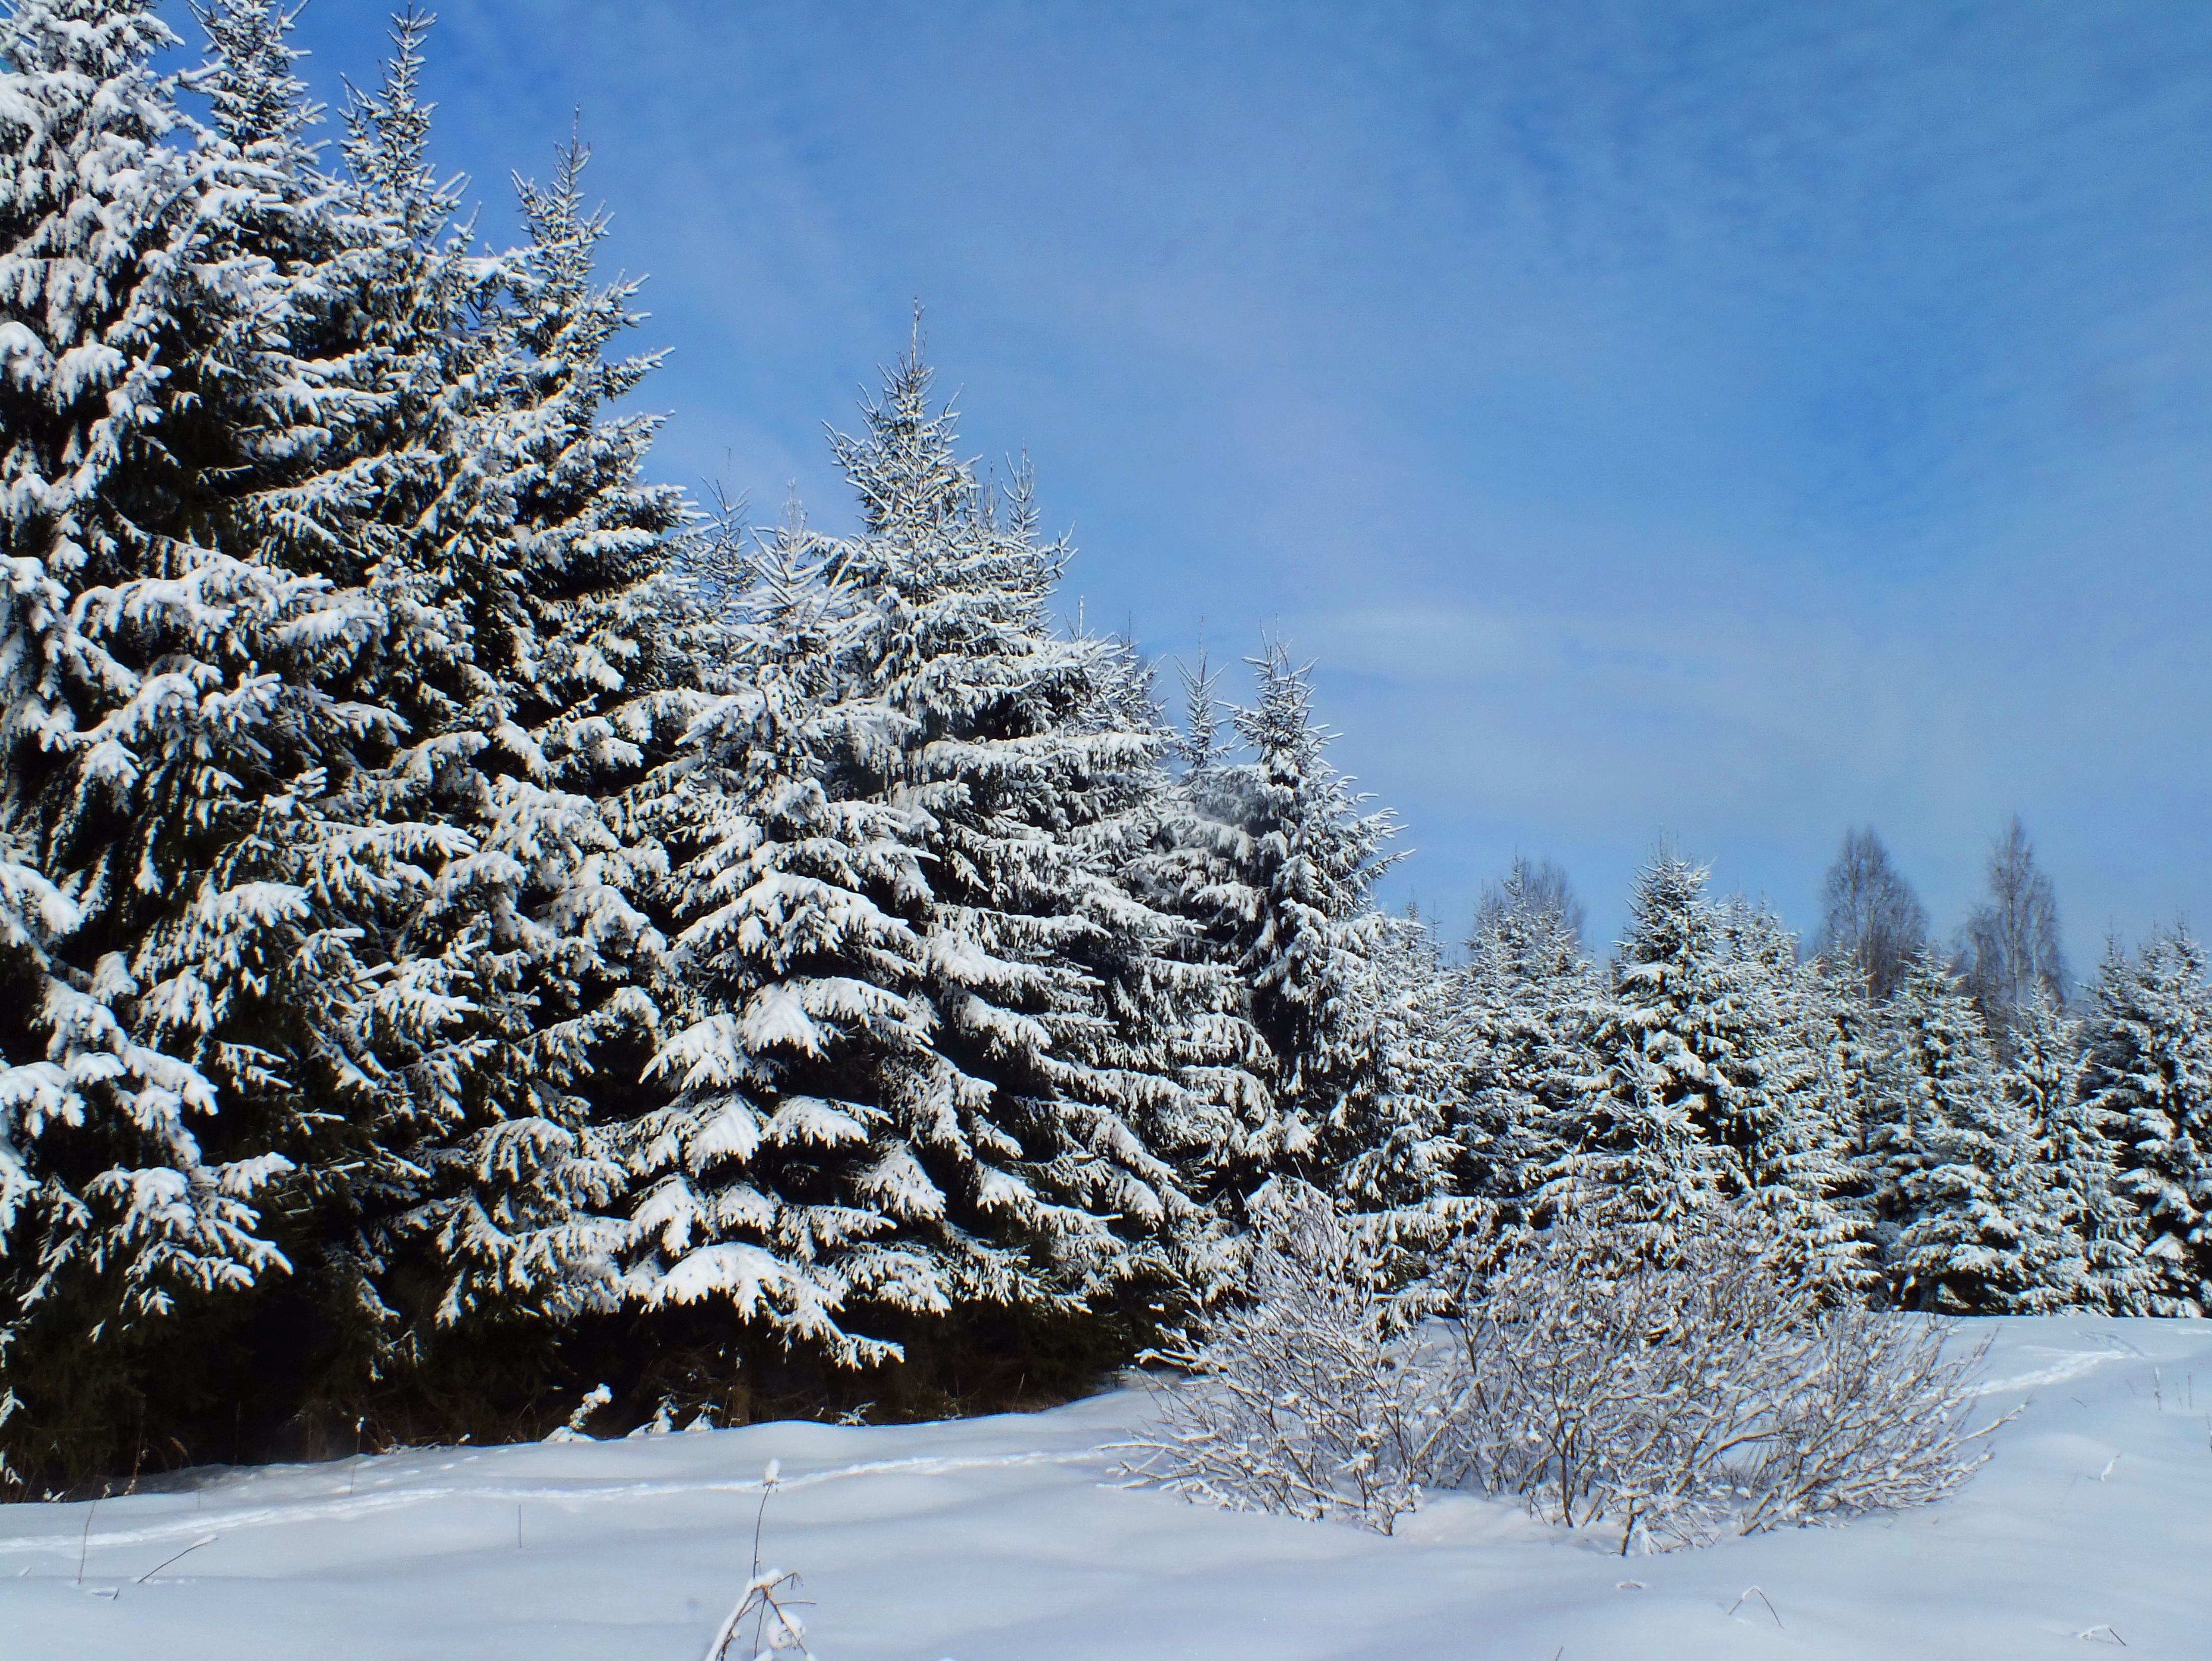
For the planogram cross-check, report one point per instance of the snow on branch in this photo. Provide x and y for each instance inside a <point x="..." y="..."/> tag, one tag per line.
<point x="1675" y="1399"/>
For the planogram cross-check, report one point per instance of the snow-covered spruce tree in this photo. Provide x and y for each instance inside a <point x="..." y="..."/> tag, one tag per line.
<point x="1312" y="938"/>
<point x="1856" y="1053"/>
<point x="2148" y="1076"/>
<point x="1024" y="763"/>
<point x="1538" y="888"/>
<point x="1932" y="1055"/>
<point x="1974" y="1235"/>
<point x="774" y="1180"/>
<point x="258" y="107"/>
<point x="1801" y="1174"/>
<point x="1179" y="1009"/>
<point x="442" y="453"/>
<point x="1405" y="1165"/>
<point x="1712" y="1091"/>
<point x="462" y="477"/>
<point x="1274" y="860"/>
<point x="1196" y="855"/>
<point x="178" y="707"/>
<point x="562" y="701"/>
<point x="905" y="1085"/>
<point x="1520" y="1020"/>
<point x="1339" y="989"/>
<point x="2076" y="1173"/>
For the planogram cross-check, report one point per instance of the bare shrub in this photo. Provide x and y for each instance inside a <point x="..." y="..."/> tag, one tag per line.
<point x="1312" y="1399"/>
<point x="1679" y="1397"/>
<point x="1703" y="1392"/>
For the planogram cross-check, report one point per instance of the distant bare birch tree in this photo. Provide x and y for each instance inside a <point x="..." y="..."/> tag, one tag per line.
<point x="1871" y="922"/>
<point x="2008" y="949"/>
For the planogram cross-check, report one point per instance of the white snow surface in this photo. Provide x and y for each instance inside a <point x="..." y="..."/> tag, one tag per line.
<point x="1004" y="1538"/>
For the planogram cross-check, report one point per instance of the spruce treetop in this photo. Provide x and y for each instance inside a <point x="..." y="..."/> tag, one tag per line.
<point x="258" y="102"/>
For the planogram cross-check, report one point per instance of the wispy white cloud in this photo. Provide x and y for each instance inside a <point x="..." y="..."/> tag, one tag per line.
<point x="1721" y="417"/>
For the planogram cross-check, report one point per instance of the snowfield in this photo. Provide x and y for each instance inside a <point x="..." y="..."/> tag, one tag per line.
<point x="1005" y="1538"/>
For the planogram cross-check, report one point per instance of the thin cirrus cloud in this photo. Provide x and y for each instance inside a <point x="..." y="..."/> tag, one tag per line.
<point x="1726" y="421"/>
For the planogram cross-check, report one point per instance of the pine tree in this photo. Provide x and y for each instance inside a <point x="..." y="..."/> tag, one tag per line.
<point x="1855" y="1053"/>
<point x="2148" y="1077"/>
<point x="1008" y="1141"/>
<point x="1795" y="1146"/>
<point x="1334" y="1051"/>
<point x="426" y="439"/>
<point x="1630" y="1141"/>
<point x="1974" y="1234"/>
<point x="562" y="703"/>
<point x="2075" y="1170"/>
<point x="1935" y="1058"/>
<point x="461" y="477"/>
<point x="1405" y="1167"/>
<point x="1522" y="1022"/>
<point x="1308" y="940"/>
<point x="1195" y="863"/>
<point x="1712" y="1092"/>
<point x="260" y="108"/>
<point x="1178" y="1009"/>
<point x="776" y="1180"/>
<point x="177" y="706"/>
<point x="1539" y="888"/>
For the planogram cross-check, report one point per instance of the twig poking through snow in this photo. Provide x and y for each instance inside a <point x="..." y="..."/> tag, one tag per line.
<point x="1753" y="1592"/>
<point x="783" y="1630"/>
<point x="166" y="1562"/>
<point x="84" y="1544"/>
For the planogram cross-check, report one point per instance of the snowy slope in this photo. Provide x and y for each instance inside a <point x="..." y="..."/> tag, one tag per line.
<point x="994" y="1539"/>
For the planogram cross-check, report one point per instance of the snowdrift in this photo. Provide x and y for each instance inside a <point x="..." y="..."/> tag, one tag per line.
<point x="1004" y="1538"/>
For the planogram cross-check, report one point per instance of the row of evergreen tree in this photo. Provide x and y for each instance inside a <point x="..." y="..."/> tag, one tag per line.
<point x="473" y="925"/>
<point x="477" y="928"/>
<point x="1927" y="1147"/>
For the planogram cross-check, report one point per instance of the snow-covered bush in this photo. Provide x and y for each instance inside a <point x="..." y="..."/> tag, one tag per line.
<point x="1315" y="1398"/>
<point x="1676" y="1398"/>
<point x="1699" y="1394"/>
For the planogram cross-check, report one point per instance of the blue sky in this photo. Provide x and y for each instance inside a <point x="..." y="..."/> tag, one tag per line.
<point x="1727" y="422"/>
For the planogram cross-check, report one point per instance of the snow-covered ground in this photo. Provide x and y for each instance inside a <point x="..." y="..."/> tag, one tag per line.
<point x="993" y="1539"/>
